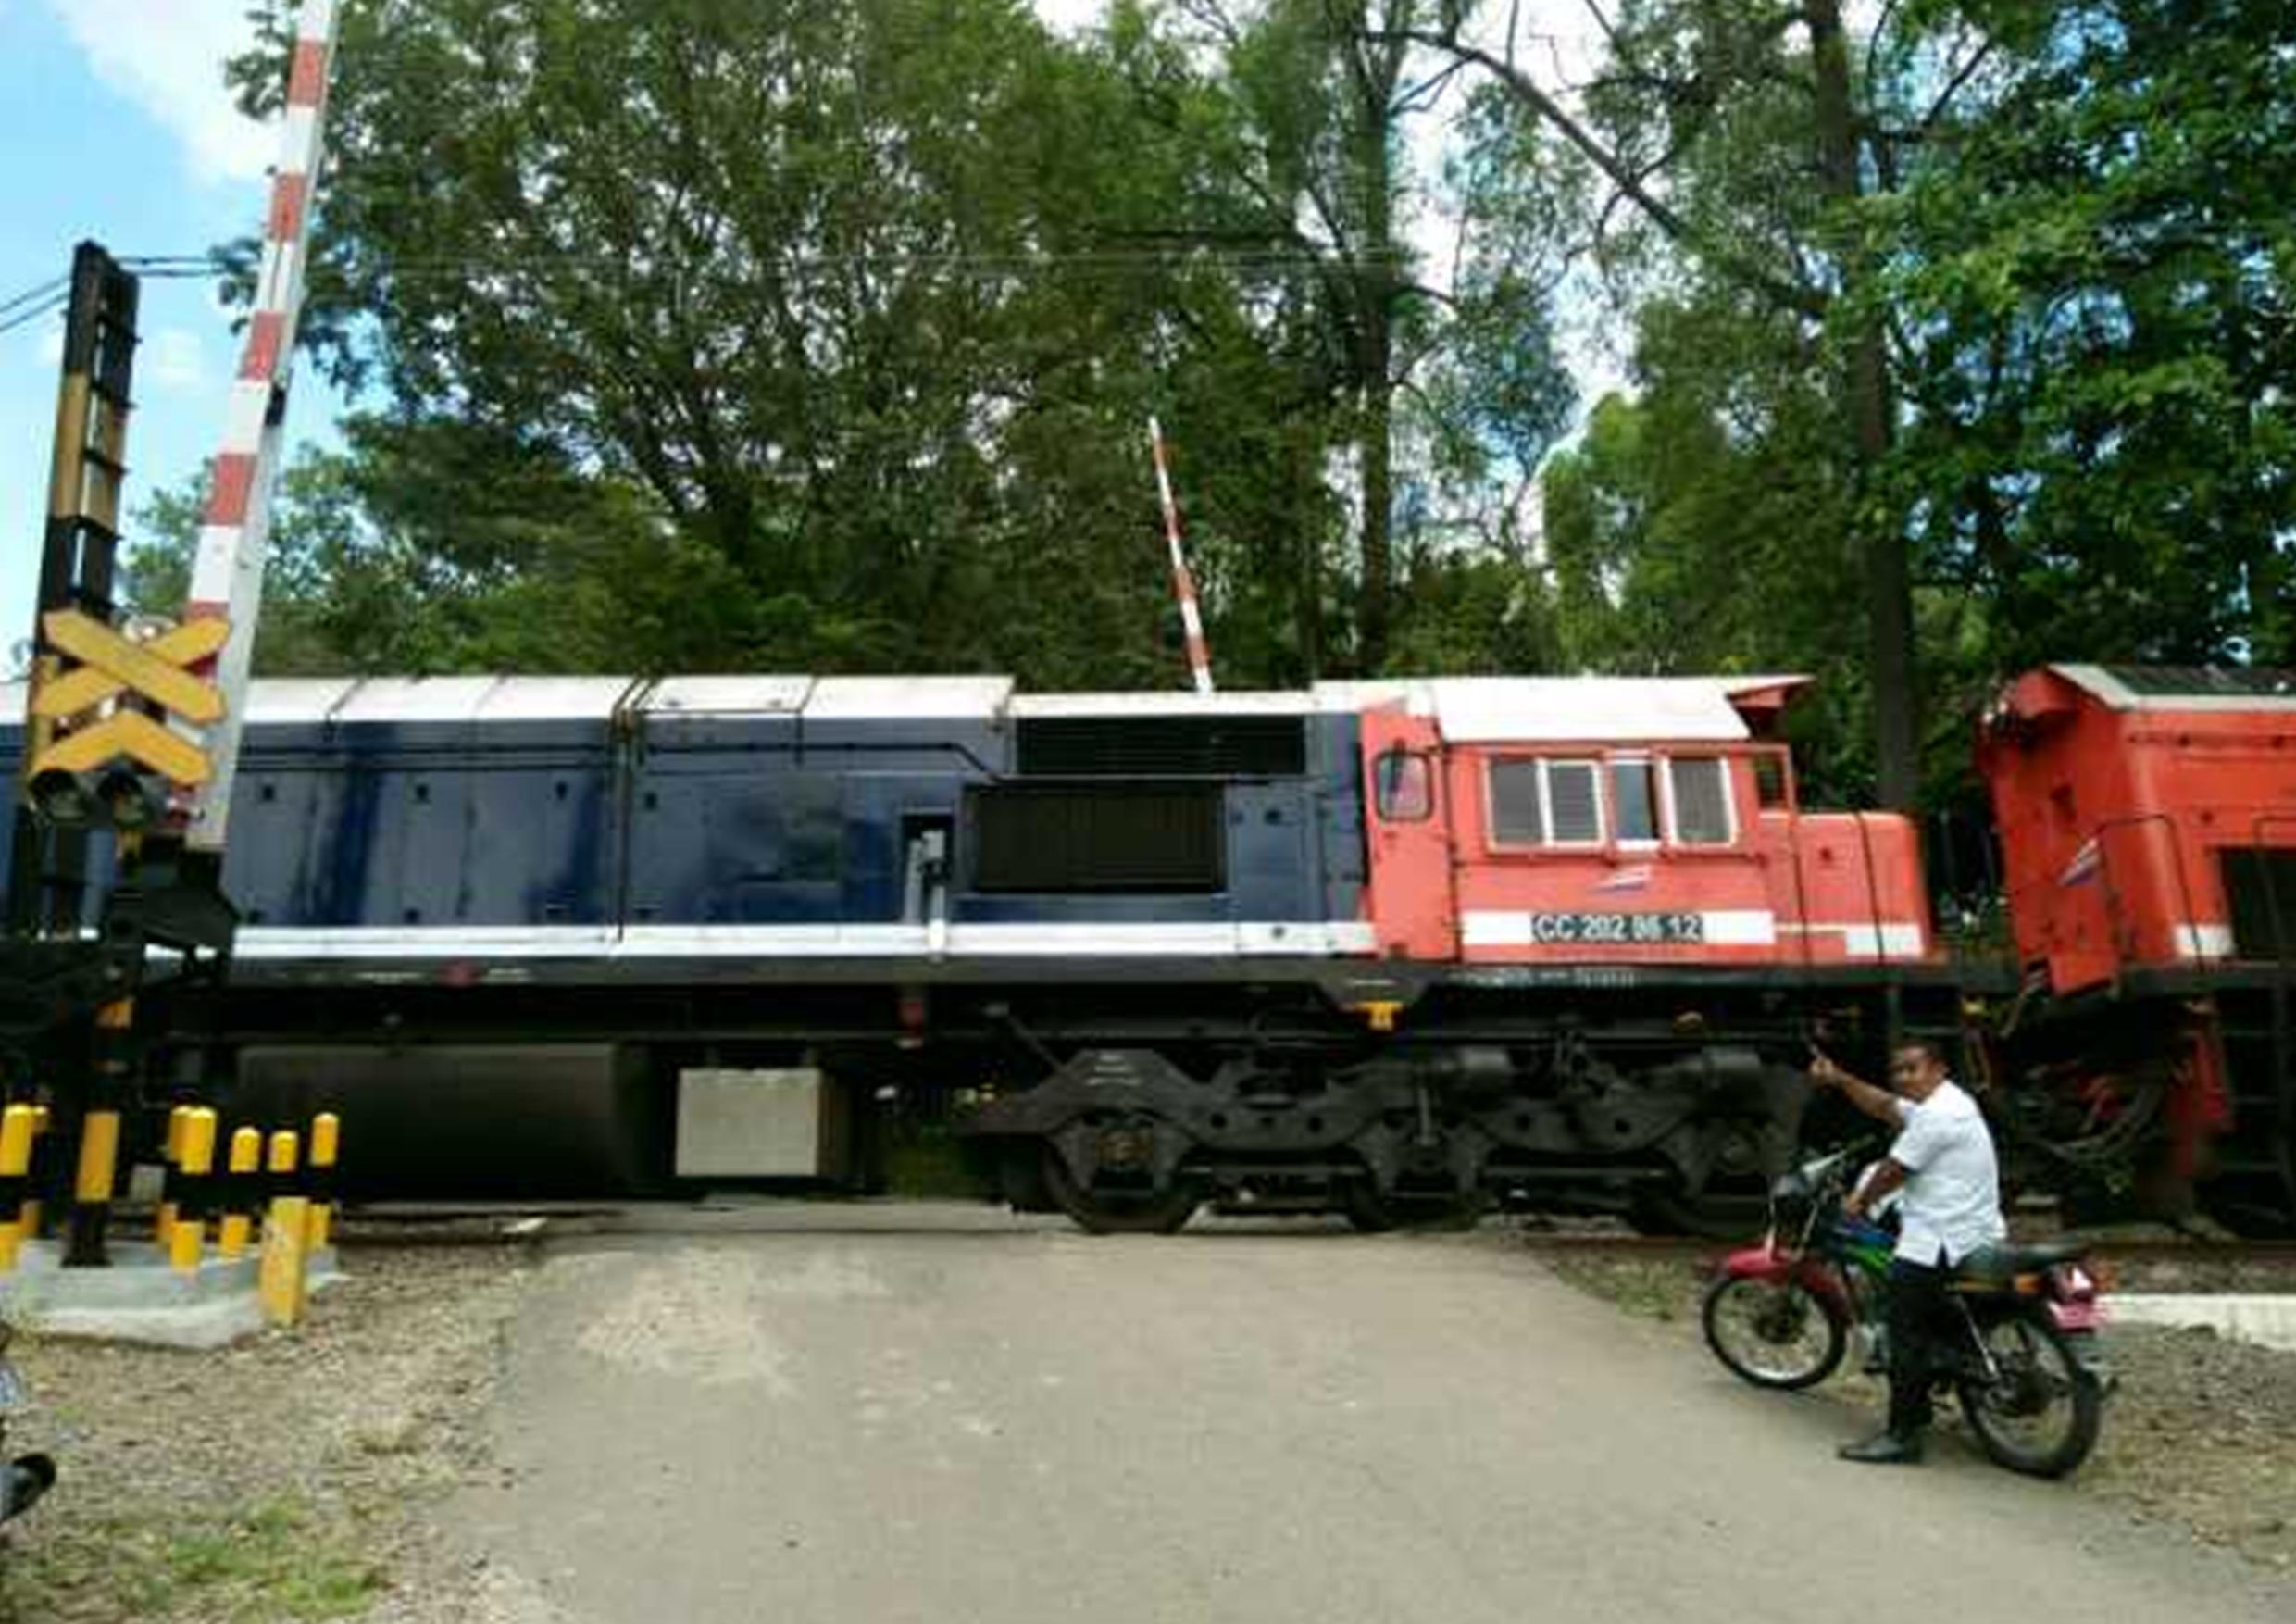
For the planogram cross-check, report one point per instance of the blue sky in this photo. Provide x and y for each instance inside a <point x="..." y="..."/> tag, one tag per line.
<point x="114" y="124"/>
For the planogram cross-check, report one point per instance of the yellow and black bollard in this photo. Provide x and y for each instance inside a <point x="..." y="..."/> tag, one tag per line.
<point x="326" y="1147"/>
<point x="29" y="1215"/>
<point x="195" y="1167"/>
<point x="242" y="1191"/>
<point x="286" y="1232"/>
<point x="170" y="1161"/>
<point x="19" y="1127"/>
<point x="98" y="1167"/>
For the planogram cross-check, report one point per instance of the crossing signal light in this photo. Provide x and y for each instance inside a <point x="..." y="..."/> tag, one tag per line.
<point x="115" y="798"/>
<point x="66" y="799"/>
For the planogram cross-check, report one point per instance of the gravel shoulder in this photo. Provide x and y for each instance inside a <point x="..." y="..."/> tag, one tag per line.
<point x="2199" y="1438"/>
<point x="287" y="1478"/>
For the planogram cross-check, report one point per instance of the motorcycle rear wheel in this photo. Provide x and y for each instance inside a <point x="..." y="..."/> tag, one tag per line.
<point x="1775" y="1335"/>
<point x="2042" y="1414"/>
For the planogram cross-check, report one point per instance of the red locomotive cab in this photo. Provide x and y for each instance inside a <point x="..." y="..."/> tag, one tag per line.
<point x="1592" y="820"/>
<point x="2147" y="817"/>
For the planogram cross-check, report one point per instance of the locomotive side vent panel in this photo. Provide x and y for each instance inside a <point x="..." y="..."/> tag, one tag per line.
<point x="2260" y="893"/>
<point x="1097" y="837"/>
<point x="1163" y="746"/>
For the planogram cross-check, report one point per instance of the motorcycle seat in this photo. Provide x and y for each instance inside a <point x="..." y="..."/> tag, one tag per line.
<point x="1998" y="1264"/>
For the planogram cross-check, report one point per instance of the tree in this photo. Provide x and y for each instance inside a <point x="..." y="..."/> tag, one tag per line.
<point x="1423" y="390"/>
<point x="2093" y="287"/>
<point x="376" y="569"/>
<point x="833" y="292"/>
<point x="1742" y="134"/>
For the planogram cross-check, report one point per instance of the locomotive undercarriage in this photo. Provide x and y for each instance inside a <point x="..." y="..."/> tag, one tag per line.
<point x="1130" y="1104"/>
<point x="1123" y="1139"/>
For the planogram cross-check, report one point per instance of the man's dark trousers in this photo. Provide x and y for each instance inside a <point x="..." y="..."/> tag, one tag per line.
<point x="1917" y="1308"/>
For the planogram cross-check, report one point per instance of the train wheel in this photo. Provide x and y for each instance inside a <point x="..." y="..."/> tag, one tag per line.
<point x="1104" y="1210"/>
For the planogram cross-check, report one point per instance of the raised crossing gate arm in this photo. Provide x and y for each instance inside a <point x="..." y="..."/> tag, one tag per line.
<point x="227" y="574"/>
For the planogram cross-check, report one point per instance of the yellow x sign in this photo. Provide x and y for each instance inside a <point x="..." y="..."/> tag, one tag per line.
<point x="109" y="664"/>
<point x="132" y="734"/>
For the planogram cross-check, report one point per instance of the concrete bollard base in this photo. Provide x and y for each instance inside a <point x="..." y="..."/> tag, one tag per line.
<point x="141" y="1298"/>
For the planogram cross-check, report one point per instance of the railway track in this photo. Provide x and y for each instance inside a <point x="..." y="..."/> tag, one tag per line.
<point x="486" y="1223"/>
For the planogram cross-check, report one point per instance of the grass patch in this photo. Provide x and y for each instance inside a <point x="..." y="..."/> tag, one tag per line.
<point x="268" y="1563"/>
<point x="1666" y="1291"/>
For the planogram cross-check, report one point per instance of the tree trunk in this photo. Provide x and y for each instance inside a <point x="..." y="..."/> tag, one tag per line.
<point x="1376" y="66"/>
<point x="1879" y="546"/>
<point x="1308" y="513"/>
<point x="1378" y="485"/>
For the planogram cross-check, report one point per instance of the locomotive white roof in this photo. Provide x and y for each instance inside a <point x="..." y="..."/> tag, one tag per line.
<point x="977" y="698"/>
<point x="736" y="695"/>
<point x="1534" y="710"/>
<point x="2188" y="688"/>
<point x="1469" y="709"/>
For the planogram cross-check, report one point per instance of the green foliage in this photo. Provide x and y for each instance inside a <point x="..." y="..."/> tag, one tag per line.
<point x="823" y="338"/>
<point x="2101" y="335"/>
<point x="2073" y="231"/>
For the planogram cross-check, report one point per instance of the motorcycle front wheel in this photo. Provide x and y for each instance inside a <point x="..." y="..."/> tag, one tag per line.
<point x="2039" y="1411"/>
<point x="1775" y="1334"/>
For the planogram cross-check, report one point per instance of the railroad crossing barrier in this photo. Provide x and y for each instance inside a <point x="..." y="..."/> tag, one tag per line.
<point x="202" y="1280"/>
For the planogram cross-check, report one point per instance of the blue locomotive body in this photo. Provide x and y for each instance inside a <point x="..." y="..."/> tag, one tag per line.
<point x="601" y="828"/>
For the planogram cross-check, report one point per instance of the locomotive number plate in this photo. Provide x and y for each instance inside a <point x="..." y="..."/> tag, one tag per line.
<point x="1615" y="929"/>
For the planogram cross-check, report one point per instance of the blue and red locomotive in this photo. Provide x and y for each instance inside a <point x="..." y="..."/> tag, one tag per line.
<point x="1389" y="948"/>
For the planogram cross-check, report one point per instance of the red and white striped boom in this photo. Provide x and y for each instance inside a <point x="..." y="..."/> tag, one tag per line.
<point x="226" y="577"/>
<point x="1184" y="584"/>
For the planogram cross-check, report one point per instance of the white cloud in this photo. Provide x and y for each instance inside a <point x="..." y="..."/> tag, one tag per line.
<point x="167" y="57"/>
<point x="176" y="360"/>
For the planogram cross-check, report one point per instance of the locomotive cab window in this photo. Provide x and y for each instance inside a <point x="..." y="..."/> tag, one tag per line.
<point x="1634" y="800"/>
<point x="1700" y="793"/>
<point x="1405" y="784"/>
<point x="1539" y="801"/>
<point x="1772" y="783"/>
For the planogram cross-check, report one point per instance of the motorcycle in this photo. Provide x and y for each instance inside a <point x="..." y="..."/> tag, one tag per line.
<point x="27" y="1477"/>
<point x="2024" y="1360"/>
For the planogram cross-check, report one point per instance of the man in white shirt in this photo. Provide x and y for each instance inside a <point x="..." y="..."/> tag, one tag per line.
<point x="1944" y="1160"/>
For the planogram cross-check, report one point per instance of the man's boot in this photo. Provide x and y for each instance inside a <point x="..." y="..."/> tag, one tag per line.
<point x="1885" y="1448"/>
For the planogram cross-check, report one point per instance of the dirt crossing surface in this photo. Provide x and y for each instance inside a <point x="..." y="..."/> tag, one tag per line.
<point x="903" y="1412"/>
<point x="951" y="1422"/>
